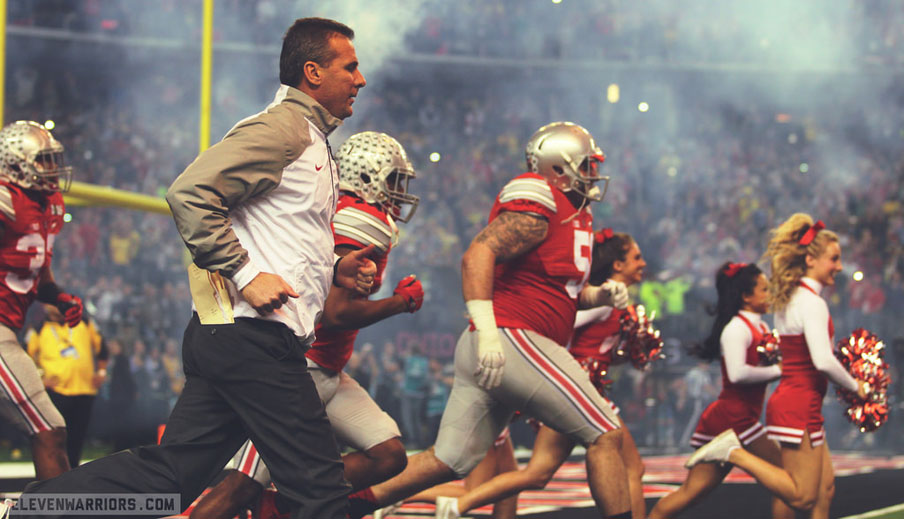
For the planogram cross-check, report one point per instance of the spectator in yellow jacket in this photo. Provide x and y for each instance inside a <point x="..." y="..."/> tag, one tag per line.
<point x="73" y="365"/>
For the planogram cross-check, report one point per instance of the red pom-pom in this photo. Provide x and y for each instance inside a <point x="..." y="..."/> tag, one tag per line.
<point x="768" y="349"/>
<point x="639" y="341"/>
<point x="863" y="355"/>
<point x="597" y="372"/>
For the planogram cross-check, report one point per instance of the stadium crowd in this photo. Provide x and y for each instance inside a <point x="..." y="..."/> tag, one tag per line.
<point x="693" y="198"/>
<point x="621" y="30"/>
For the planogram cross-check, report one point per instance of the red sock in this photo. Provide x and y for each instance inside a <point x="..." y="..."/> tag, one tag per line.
<point x="362" y="503"/>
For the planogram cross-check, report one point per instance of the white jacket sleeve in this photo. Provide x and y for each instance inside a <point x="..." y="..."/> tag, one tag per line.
<point x="585" y="317"/>
<point x="735" y="341"/>
<point x="816" y="331"/>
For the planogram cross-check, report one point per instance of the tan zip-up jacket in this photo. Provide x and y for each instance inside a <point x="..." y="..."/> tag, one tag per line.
<point x="263" y="199"/>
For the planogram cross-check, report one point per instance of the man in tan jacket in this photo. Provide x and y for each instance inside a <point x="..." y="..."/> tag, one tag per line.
<point x="256" y="209"/>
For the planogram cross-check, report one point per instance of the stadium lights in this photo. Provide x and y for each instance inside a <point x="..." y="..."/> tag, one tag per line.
<point x="613" y="93"/>
<point x="858" y="275"/>
<point x="434" y="157"/>
<point x="643" y="106"/>
<point x="557" y="1"/>
<point x="67" y="217"/>
<point x="804" y="167"/>
<point x="49" y="124"/>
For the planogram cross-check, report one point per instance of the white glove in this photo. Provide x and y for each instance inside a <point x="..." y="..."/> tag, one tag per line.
<point x="611" y="293"/>
<point x="490" y="358"/>
<point x="618" y="293"/>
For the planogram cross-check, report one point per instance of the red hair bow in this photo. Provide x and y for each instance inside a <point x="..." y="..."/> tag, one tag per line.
<point x="602" y="235"/>
<point x="811" y="233"/>
<point x="732" y="269"/>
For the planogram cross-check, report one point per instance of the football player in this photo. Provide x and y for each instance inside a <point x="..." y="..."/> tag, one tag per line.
<point x="32" y="176"/>
<point x="597" y="331"/>
<point x="374" y="172"/>
<point x="523" y="278"/>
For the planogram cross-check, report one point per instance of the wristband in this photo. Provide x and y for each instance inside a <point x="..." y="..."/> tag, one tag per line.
<point x="481" y="311"/>
<point x="335" y="270"/>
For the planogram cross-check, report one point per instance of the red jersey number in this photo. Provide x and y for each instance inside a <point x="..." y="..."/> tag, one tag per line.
<point x="583" y="245"/>
<point x="32" y="244"/>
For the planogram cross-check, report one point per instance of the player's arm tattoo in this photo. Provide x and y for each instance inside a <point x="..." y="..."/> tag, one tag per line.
<point x="512" y="234"/>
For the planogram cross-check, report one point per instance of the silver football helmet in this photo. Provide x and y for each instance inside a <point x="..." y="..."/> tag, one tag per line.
<point x="565" y="154"/>
<point x="31" y="158"/>
<point x="375" y="167"/>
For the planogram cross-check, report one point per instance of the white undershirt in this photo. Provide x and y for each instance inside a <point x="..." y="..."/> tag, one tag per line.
<point x="735" y="340"/>
<point x="808" y="314"/>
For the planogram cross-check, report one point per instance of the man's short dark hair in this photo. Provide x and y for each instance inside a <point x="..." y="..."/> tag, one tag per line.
<point x="308" y="40"/>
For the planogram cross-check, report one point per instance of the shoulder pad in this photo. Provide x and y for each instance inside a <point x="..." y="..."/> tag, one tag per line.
<point x="358" y="224"/>
<point x="6" y="203"/>
<point x="530" y="189"/>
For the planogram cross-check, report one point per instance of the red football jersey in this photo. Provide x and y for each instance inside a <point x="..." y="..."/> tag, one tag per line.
<point x="596" y="340"/>
<point x="30" y="221"/>
<point x="356" y="224"/>
<point x="538" y="291"/>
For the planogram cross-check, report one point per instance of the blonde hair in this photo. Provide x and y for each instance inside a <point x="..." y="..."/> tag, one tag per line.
<point x="788" y="258"/>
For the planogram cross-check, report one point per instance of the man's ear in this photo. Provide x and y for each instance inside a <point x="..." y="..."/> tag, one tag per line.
<point x="312" y="73"/>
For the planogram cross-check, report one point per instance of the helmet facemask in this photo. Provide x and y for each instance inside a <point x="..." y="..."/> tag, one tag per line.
<point x="400" y="204"/>
<point x="50" y="171"/>
<point x="582" y="178"/>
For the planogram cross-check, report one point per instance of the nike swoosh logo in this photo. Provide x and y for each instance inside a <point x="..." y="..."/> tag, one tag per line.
<point x="318" y="168"/>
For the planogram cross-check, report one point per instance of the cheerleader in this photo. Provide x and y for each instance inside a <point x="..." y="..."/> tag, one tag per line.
<point x="743" y="296"/>
<point x="616" y="256"/>
<point x="805" y="258"/>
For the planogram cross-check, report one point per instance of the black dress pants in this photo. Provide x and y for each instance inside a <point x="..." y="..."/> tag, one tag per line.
<point x="76" y="411"/>
<point x="247" y="379"/>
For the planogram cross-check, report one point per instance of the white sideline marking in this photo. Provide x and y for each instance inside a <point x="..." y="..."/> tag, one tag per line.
<point x="877" y="513"/>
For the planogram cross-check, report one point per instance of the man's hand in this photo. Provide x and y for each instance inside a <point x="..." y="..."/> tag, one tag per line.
<point x="490" y="359"/>
<point x="355" y="271"/>
<point x="267" y="292"/>
<point x="100" y="376"/>
<point x="618" y="293"/>
<point x="71" y="307"/>
<point x="51" y="382"/>
<point x="411" y="291"/>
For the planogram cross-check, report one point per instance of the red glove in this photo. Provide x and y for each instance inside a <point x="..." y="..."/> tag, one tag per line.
<point x="71" y="308"/>
<point x="412" y="292"/>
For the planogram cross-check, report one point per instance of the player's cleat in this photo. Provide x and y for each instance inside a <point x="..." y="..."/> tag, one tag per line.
<point x="387" y="510"/>
<point x="717" y="450"/>
<point x="447" y="508"/>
